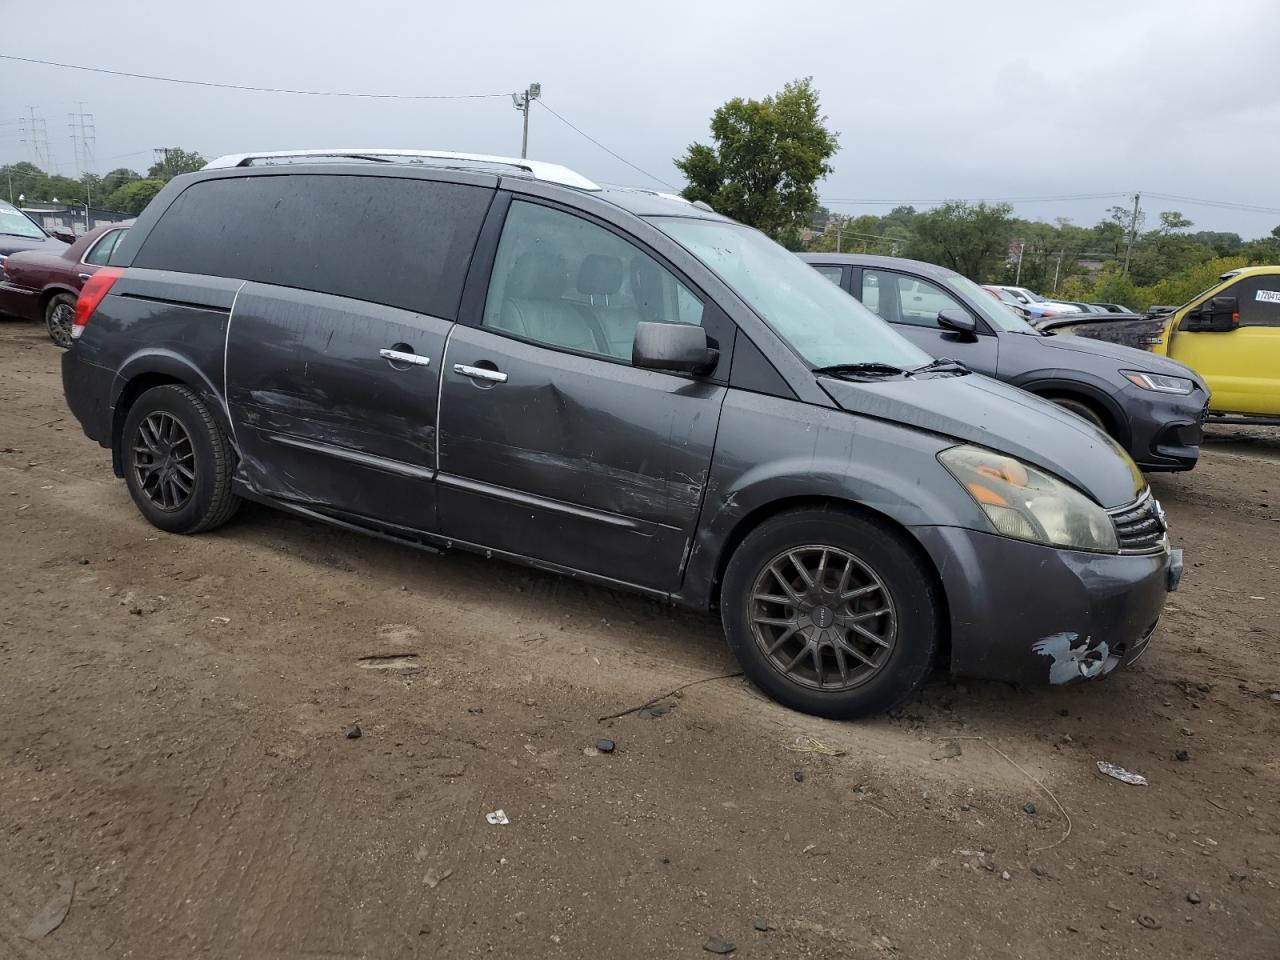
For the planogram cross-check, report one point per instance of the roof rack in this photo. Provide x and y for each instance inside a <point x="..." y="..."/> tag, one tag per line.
<point x="551" y="172"/>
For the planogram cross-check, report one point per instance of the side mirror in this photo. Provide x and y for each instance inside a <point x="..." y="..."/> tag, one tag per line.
<point x="1219" y="315"/>
<point x="957" y="320"/>
<point x="681" y="347"/>
<point x="66" y="236"/>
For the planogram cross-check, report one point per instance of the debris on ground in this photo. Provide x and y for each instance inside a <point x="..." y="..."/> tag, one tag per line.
<point x="761" y="924"/>
<point x="807" y="744"/>
<point x="1182" y="755"/>
<point x="497" y="818"/>
<point x="52" y="913"/>
<point x="605" y="746"/>
<point x="432" y="879"/>
<point x="798" y="776"/>
<point x="947" y="751"/>
<point x="719" y="945"/>
<point x="1150" y="922"/>
<point x="1121" y="774"/>
<point x="355" y="732"/>
<point x="1029" y="808"/>
<point x="1193" y="897"/>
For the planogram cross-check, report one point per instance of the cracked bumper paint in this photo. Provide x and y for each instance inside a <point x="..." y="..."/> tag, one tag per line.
<point x="1027" y="613"/>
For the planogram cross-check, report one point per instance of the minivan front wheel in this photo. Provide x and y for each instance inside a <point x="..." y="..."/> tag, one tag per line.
<point x="177" y="461"/>
<point x="830" y="613"/>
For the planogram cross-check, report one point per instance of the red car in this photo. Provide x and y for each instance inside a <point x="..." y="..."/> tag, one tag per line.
<point x="44" y="286"/>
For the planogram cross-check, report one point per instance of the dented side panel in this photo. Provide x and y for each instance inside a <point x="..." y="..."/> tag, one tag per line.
<point x="320" y="417"/>
<point x="574" y="460"/>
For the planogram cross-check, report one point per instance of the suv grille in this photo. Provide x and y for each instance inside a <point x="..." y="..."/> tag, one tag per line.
<point x="1140" y="527"/>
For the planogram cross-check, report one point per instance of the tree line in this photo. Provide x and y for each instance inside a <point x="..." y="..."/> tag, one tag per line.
<point x="122" y="190"/>
<point x="767" y="156"/>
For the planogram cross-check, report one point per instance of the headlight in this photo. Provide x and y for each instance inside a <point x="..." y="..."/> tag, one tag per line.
<point x="1159" y="382"/>
<point x="1027" y="504"/>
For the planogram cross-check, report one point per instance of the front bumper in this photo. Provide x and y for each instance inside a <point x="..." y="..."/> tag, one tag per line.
<point x="1166" y="430"/>
<point x="1027" y="613"/>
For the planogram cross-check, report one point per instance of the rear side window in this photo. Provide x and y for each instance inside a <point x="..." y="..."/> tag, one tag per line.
<point x="101" y="251"/>
<point x="402" y="242"/>
<point x="1259" y="300"/>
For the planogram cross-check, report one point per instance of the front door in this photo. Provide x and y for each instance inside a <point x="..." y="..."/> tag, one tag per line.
<point x="1241" y="366"/>
<point x="552" y="445"/>
<point x="912" y="305"/>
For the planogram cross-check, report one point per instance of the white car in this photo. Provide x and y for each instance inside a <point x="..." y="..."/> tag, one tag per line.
<point x="1047" y="307"/>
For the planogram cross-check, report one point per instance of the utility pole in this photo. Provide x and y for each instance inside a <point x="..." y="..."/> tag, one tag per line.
<point x="521" y="101"/>
<point x="1133" y="229"/>
<point x="1056" y="267"/>
<point x="1017" y="280"/>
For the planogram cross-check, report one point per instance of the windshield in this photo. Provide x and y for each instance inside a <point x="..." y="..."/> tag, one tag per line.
<point x="995" y="311"/>
<point x="14" y="223"/>
<point x="820" y="321"/>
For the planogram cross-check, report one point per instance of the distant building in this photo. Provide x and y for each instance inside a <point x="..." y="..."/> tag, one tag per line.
<point x="62" y="216"/>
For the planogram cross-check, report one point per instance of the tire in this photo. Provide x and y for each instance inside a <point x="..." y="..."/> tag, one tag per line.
<point x="1082" y="410"/>
<point x="179" y="485"/>
<point x="876" y="678"/>
<point x="59" y="312"/>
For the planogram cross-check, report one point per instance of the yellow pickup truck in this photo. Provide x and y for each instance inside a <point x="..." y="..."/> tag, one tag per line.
<point x="1229" y="334"/>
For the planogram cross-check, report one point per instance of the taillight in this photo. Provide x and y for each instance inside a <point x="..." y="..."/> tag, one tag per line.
<point x="95" y="288"/>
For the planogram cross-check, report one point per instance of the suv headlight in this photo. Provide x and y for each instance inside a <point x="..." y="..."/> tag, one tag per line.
<point x="1159" y="382"/>
<point x="1028" y="504"/>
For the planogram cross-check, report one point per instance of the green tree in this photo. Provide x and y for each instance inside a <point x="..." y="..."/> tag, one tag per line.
<point x="117" y="178"/>
<point x="1181" y="286"/>
<point x="767" y="157"/>
<point x="174" y="162"/>
<point x="1112" y="286"/>
<point x="972" y="239"/>
<point x="133" y="196"/>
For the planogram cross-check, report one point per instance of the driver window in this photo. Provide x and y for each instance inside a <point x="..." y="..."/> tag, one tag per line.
<point x="562" y="281"/>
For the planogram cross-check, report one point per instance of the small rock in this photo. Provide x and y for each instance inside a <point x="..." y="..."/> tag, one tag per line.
<point x="1193" y="897"/>
<point x="799" y="776"/>
<point x="605" y="746"/>
<point x="1029" y="808"/>
<point x="719" y="945"/>
<point x="432" y="879"/>
<point x="1004" y="875"/>
<point x="475" y="709"/>
<point x="947" y="751"/>
<point x="966" y="807"/>
<point x="1114" y="907"/>
<point x="761" y="924"/>
<point x="1182" y="755"/>
<point x="354" y="733"/>
<point x="1275" y="698"/>
<point x="1187" y="732"/>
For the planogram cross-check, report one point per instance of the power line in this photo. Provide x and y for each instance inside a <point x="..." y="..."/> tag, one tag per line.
<point x="238" y="86"/>
<point x="1220" y="204"/>
<point x="1065" y="197"/>
<point x="582" y="133"/>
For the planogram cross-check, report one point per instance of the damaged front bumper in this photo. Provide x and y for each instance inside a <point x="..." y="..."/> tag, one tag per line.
<point x="1027" y="613"/>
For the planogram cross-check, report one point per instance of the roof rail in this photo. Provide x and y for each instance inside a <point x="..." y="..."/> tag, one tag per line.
<point x="551" y="172"/>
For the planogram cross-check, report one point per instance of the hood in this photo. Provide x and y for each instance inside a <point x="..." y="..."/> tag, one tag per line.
<point x="1125" y="358"/>
<point x="10" y="245"/>
<point x="976" y="409"/>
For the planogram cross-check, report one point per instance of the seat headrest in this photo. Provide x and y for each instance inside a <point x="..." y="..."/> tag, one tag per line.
<point x="538" y="275"/>
<point x="600" y="274"/>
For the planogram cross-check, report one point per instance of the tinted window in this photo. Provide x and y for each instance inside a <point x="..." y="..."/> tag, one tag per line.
<point x="902" y="299"/>
<point x="406" y="243"/>
<point x="100" y="252"/>
<point x="830" y="272"/>
<point x="1259" y="300"/>
<point x="565" y="282"/>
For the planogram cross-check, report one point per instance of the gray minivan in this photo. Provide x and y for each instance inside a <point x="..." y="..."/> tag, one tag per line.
<point x="499" y="355"/>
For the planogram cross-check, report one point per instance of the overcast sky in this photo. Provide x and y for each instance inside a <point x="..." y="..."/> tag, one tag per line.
<point x="931" y="100"/>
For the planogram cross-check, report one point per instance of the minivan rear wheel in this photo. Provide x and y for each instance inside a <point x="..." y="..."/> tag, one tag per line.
<point x="831" y="613"/>
<point x="177" y="461"/>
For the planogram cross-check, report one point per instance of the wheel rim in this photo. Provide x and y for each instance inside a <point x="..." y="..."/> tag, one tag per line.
<point x="60" y="320"/>
<point x="164" y="461"/>
<point x="823" y="618"/>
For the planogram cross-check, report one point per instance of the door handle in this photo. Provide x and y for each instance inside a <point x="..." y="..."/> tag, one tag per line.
<point x="400" y="356"/>
<point x="85" y="276"/>
<point x="480" y="373"/>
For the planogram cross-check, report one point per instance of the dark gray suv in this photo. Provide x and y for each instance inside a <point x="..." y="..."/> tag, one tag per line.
<point x="1154" y="407"/>
<point x="498" y="355"/>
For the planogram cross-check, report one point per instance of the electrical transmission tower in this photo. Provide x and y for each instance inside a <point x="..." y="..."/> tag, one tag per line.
<point x="83" y="137"/>
<point x="33" y="131"/>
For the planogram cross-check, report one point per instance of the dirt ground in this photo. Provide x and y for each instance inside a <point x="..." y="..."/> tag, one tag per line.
<point x="174" y="711"/>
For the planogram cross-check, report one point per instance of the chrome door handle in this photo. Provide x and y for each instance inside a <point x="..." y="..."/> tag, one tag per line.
<point x="480" y="373"/>
<point x="85" y="276"/>
<point x="399" y="356"/>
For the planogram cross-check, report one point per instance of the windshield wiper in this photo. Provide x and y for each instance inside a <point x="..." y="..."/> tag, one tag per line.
<point x="871" y="369"/>
<point x="942" y="365"/>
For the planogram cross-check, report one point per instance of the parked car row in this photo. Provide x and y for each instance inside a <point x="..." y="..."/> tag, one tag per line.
<point x="623" y="386"/>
